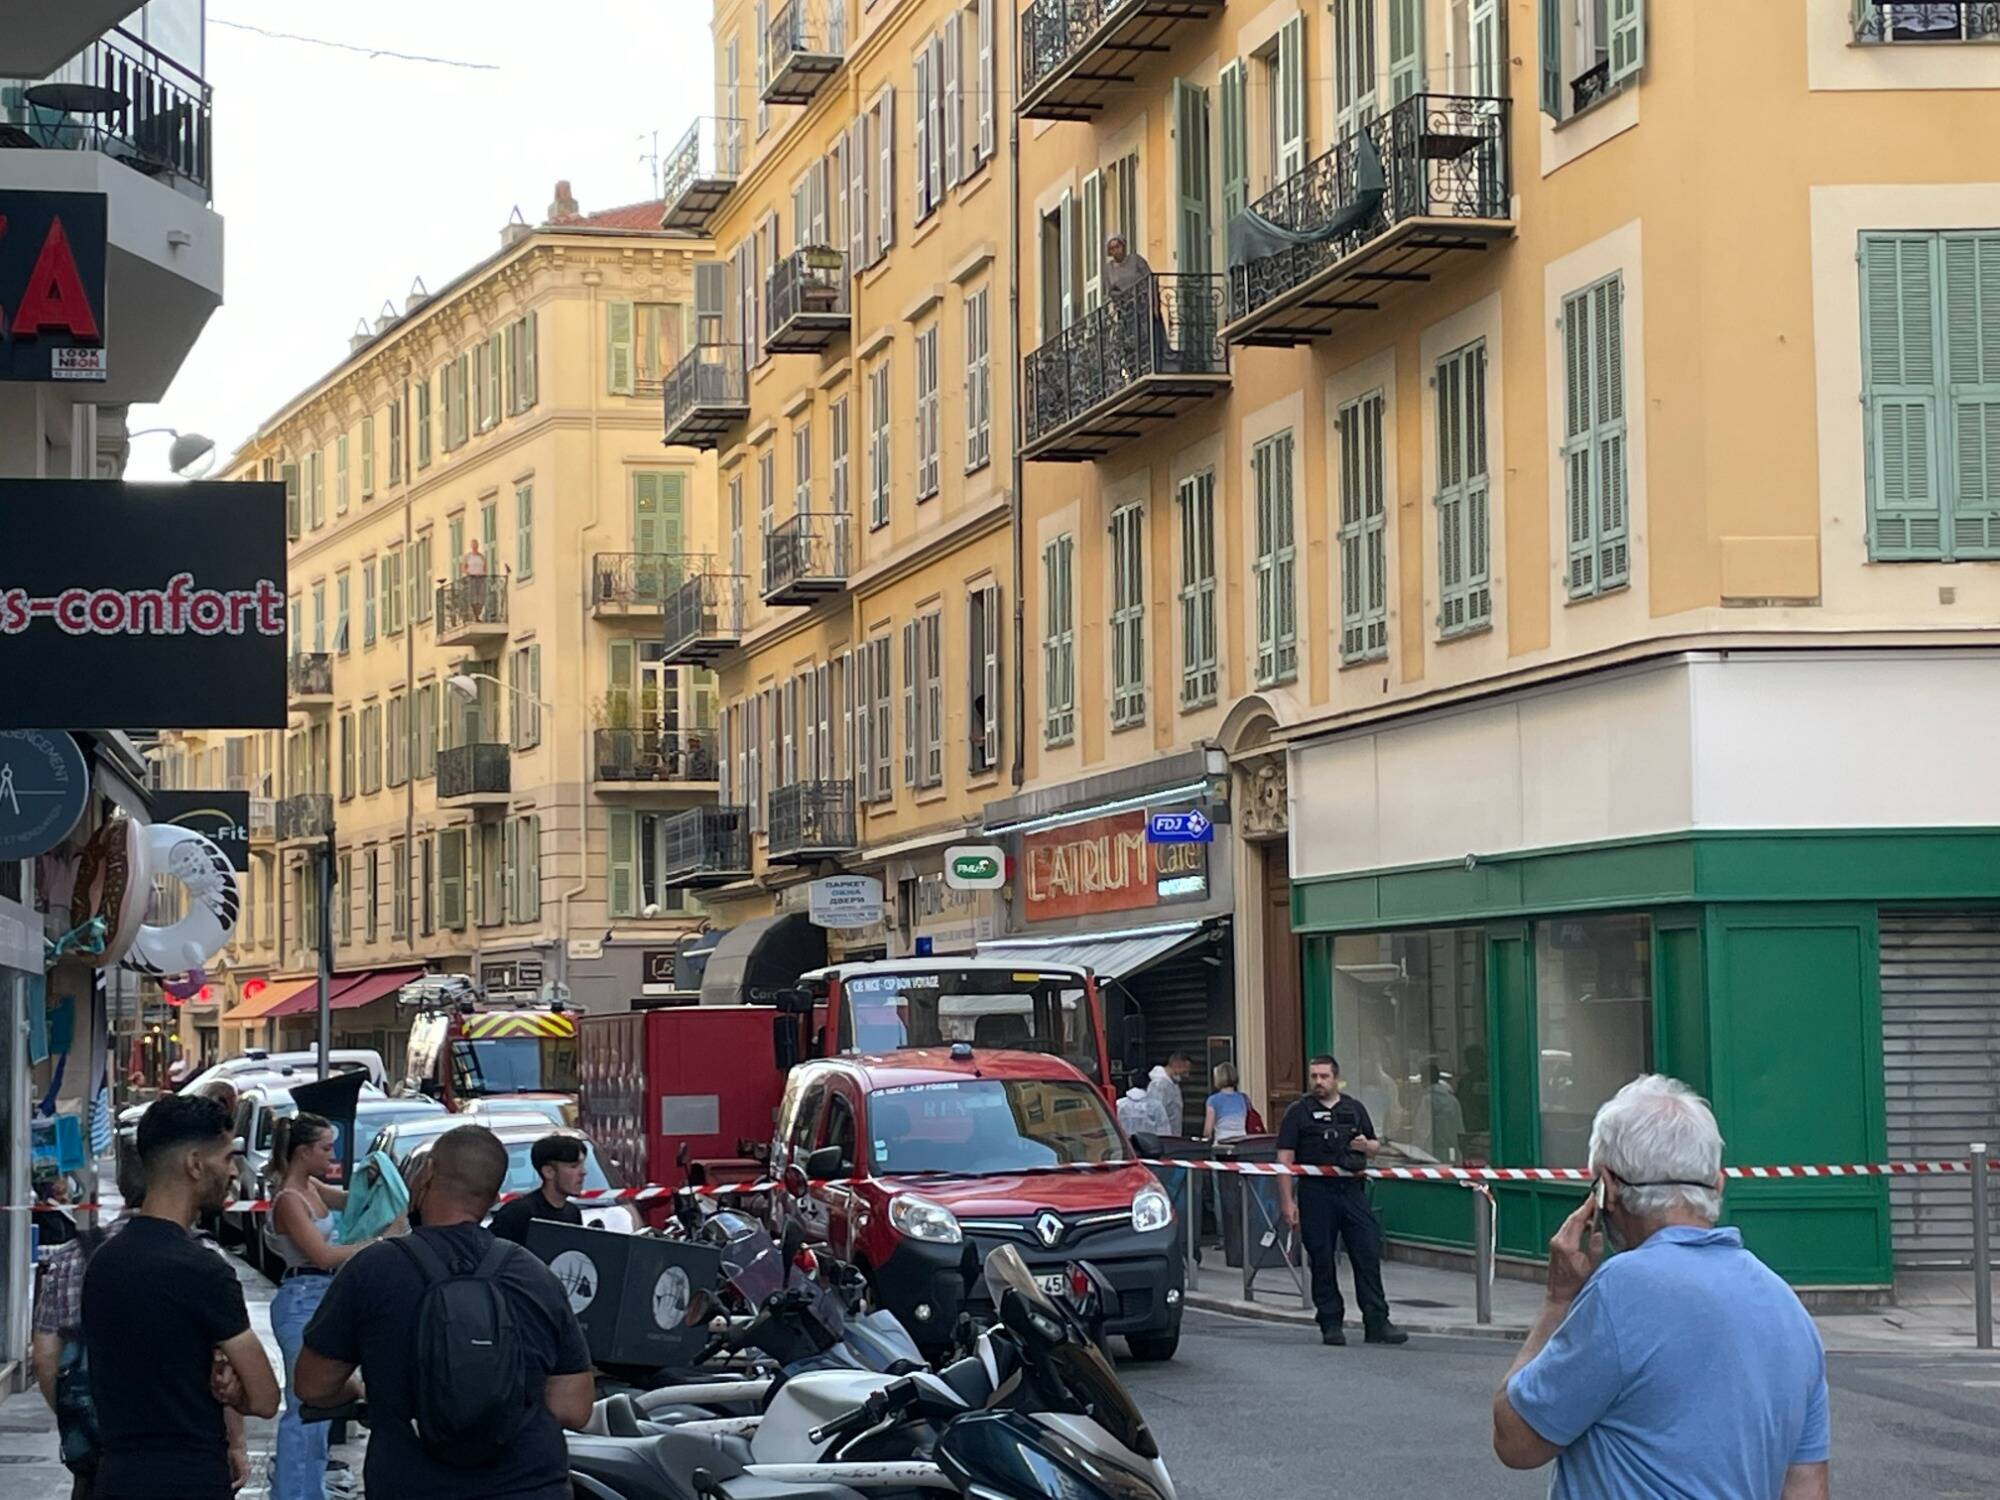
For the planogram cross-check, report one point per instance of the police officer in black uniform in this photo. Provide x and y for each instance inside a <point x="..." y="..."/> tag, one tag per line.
<point x="1328" y="1129"/>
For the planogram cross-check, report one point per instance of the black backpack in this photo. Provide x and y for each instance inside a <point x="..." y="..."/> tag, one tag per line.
<point x="472" y="1380"/>
<point x="76" y="1410"/>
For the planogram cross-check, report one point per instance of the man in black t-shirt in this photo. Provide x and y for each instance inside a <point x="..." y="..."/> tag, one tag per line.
<point x="558" y="1162"/>
<point x="370" y="1314"/>
<point x="157" y="1307"/>
<point x="1326" y="1128"/>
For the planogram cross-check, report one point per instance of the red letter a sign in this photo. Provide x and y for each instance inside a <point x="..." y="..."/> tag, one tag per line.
<point x="54" y="301"/>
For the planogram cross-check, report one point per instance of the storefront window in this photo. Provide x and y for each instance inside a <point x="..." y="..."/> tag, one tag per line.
<point x="1594" y="1022"/>
<point x="1410" y="1015"/>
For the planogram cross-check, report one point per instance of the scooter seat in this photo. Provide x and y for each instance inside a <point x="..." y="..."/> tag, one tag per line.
<point x="661" y="1464"/>
<point x="621" y="1417"/>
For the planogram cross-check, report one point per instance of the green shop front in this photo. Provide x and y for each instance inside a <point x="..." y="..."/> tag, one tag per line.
<point x="1509" y="910"/>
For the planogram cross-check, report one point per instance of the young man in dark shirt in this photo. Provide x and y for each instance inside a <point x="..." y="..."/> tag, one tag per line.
<point x="370" y="1313"/>
<point x="158" y="1305"/>
<point x="558" y="1162"/>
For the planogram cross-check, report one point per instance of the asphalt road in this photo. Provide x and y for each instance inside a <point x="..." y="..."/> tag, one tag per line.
<point x="1251" y="1409"/>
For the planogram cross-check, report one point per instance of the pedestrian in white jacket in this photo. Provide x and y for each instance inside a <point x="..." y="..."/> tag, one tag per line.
<point x="1163" y="1087"/>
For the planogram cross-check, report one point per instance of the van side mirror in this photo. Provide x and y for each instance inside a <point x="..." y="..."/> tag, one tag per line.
<point x="1146" y="1144"/>
<point x="784" y="1042"/>
<point x="795" y="1002"/>
<point x="826" y="1163"/>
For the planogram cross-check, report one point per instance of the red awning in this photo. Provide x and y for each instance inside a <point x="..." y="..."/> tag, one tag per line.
<point x="347" y="992"/>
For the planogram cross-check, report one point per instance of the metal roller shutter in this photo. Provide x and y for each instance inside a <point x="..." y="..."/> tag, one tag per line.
<point x="1940" y="1071"/>
<point x="1174" y="998"/>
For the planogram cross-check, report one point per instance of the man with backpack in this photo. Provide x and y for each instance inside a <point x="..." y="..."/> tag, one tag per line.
<point x="472" y="1360"/>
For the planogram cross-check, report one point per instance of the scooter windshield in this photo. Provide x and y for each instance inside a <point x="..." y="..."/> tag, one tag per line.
<point x="751" y="1260"/>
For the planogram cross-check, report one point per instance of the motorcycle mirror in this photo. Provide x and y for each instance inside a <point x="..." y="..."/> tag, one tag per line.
<point x="697" y="1175"/>
<point x="681" y="1156"/>
<point x="793" y="1242"/>
<point x="794" y="1181"/>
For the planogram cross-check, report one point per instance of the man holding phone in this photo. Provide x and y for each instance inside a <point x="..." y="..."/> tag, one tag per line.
<point x="1682" y="1367"/>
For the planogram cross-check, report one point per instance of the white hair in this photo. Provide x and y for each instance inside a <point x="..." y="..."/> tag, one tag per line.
<point x="1658" y="1130"/>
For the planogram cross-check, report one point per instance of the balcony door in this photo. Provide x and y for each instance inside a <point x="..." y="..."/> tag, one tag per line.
<point x="656" y="535"/>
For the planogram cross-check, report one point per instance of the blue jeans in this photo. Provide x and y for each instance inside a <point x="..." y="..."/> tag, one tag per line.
<point x="299" y="1470"/>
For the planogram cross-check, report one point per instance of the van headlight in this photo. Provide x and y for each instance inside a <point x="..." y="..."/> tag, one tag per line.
<point x="921" y="1219"/>
<point x="1151" y="1210"/>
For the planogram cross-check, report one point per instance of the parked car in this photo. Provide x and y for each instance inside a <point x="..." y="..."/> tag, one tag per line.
<point x="519" y="1136"/>
<point x="398" y="1138"/>
<point x="255" y="1067"/>
<point x="557" y="1110"/>
<point x="900" y="1161"/>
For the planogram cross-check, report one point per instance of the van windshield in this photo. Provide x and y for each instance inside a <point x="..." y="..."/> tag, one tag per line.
<point x="988" y="1125"/>
<point x="1021" y="1011"/>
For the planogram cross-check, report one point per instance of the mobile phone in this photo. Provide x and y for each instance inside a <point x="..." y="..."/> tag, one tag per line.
<point x="1601" y="1192"/>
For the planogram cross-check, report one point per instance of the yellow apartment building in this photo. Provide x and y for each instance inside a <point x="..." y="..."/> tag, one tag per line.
<point x="1540" y="506"/>
<point x="485" y="529"/>
<point x="852" y="376"/>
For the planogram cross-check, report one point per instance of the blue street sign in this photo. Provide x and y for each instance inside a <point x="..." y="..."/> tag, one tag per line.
<point x="1190" y="827"/>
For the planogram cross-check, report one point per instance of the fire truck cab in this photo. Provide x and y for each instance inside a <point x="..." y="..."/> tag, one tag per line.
<point x="464" y="1049"/>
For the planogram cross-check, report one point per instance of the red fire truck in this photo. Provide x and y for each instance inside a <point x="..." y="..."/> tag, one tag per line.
<point x="464" y="1051"/>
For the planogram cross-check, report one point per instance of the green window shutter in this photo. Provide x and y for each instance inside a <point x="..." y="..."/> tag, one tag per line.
<point x="1579" y="494"/>
<point x="1191" y="159"/>
<point x="1972" y="364"/>
<point x="1235" y="142"/>
<point x="1549" y="40"/>
<point x="291" y="476"/>
<point x="1901" y="375"/>
<point x="1406" y="49"/>
<point x="1448" y="383"/>
<point x="910" y="734"/>
<point x="1478" y="530"/>
<point x="621" y="665"/>
<point x="624" y="844"/>
<point x="528" y="361"/>
<point x="1291" y="97"/>
<point x="619" y="348"/>
<point x="671" y="499"/>
<point x="451" y="879"/>
<point x="1628" y="39"/>
<point x="1608" y="370"/>
<point x="646" y="512"/>
<point x="1093" y="240"/>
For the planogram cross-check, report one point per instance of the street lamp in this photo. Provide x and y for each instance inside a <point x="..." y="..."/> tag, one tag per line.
<point x="191" y="456"/>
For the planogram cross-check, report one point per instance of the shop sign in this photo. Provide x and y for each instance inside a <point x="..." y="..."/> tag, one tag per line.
<point x="845" y="901"/>
<point x="1105" y="865"/>
<point x="947" y="918"/>
<point x="656" y="971"/>
<point x="1190" y="827"/>
<point x="52" y="286"/>
<point x="975" y="867"/>
<point x="223" y="818"/>
<point x="514" y="976"/>
<point x="44" y="787"/>
<point x="153" y="604"/>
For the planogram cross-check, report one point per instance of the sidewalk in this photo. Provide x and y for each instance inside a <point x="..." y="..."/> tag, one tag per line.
<point x="1932" y="1312"/>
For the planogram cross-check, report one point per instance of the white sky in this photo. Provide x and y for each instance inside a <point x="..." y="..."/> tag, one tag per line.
<point x="341" y="177"/>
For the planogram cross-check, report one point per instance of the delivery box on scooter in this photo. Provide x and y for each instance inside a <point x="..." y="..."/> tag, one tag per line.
<point x="640" y="1300"/>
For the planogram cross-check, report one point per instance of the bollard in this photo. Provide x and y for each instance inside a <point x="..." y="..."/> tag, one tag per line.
<point x="1193" y="1229"/>
<point x="1249" y="1245"/>
<point x="1482" y="1257"/>
<point x="1982" y="1252"/>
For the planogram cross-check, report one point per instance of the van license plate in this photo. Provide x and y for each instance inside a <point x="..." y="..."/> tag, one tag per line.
<point x="1055" y="1286"/>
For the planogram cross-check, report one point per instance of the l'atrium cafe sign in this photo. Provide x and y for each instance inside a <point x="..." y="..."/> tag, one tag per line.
<point x="1106" y="864"/>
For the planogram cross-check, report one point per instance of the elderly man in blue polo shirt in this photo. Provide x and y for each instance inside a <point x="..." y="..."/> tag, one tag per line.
<point x="1683" y="1367"/>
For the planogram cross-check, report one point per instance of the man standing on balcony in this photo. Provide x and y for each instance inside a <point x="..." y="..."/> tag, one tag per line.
<point x="1128" y="281"/>
<point x="472" y="568"/>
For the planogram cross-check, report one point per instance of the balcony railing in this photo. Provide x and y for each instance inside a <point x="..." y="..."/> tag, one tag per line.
<point x="123" y="98"/>
<point x="1074" y="51"/>
<point x="803" y="47"/>
<point x="705" y="395"/>
<point x="1141" y="357"/>
<point x="304" y="815"/>
<point x="471" y="609"/>
<point x="808" y="301"/>
<point x="639" y="582"/>
<point x="703" y="618"/>
<point x="477" y="770"/>
<point x="700" y="172"/>
<point x="805" y="558"/>
<point x="663" y="757"/>
<point x="1901" y="21"/>
<point x="707" y="845"/>
<point x="309" y="676"/>
<point x="811" y="820"/>
<point x="1386" y="205"/>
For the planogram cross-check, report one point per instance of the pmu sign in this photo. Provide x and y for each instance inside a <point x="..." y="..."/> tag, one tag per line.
<point x="52" y="286"/>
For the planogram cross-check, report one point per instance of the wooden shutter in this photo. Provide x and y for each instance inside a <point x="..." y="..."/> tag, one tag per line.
<point x="859" y="224"/>
<point x="528" y="386"/>
<point x="1579" y="500"/>
<point x="860" y="685"/>
<point x="1092" y="249"/>
<point x="1971" y="316"/>
<point x="1902" y="375"/>
<point x="1292" y="97"/>
<point x="925" y="176"/>
<point x="1628" y="39"/>
<point x="451" y="878"/>
<point x="990" y="675"/>
<point x="1406" y="49"/>
<point x="290" y="472"/>
<point x="1464" y="588"/>
<point x="1191" y="175"/>
<point x="884" y="747"/>
<point x="1066" y="278"/>
<point x="624" y="862"/>
<point x="1235" y="142"/>
<point x="1608" y="415"/>
<point x="910" y="709"/>
<point x="988" y="85"/>
<point x="1549" y="43"/>
<point x="494" y="354"/>
<point x="935" y="108"/>
<point x="885" y="151"/>
<point x="954" y="102"/>
<point x="619" y="348"/>
<point x="933" y="698"/>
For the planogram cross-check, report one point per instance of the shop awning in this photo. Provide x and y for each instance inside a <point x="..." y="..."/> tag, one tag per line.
<point x="762" y="954"/>
<point x="1110" y="955"/>
<point x="273" y="995"/>
<point x="347" y="991"/>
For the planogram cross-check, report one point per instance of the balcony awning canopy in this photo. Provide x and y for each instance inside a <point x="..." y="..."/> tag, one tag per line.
<point x="1114" y="955"/>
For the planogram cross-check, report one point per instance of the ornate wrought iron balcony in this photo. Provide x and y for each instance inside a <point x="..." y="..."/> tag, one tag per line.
<point x="1142" y="357"/>
<point x="639" y="583"/>
<point x="309" y="679"/>
<point x="471" y="609"/>
<point x="477" y="773"/>
<point x="655" y="757"/>
<point x="1074" y="52"/>
<point x="706" y="846"/>
<point x="1902" y="21"/>
<point x="805" y="558"/>
<point x="808" y="301"/>
<point x="811" y="820"/>
<point x="703" y="618"/>
<point x="701" y="172"/>
<point x="804" y="45"/>
<point x="304" y="815"/>
<point x="706" y="394"/>
<point x="1398" y="202"/>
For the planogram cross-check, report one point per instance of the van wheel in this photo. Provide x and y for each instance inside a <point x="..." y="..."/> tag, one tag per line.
<point x="1154" y="1348"/>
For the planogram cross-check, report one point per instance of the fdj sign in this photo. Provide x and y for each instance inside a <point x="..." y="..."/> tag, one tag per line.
<point x="1190" y="827"/>
<point x="52" y="286"/>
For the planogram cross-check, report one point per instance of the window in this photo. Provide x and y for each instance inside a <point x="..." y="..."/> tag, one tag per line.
<point x="294" y="516"/>
<point x="392" y="592"/>
<point x="427" y="731"/>
<point x="1465" y="592"/>
<point x="1589" y="48"/>
<point x="368" y="456"/>
<point x="399" y="889"/>
<point x="483" y="414"/>
<point x="347" y="766"/>
<point x="1419" y="1042"/>
<point x="923" y="701"/>
<point x="986" y="86"/>
<point x="1128" y="616"/>
<point x="1194" y="499"/>
<point x="423" y="424"/>
<point x="426" y="886"/>
<point x="1285" y="149"/>
<point x="951" y="63"/>
<point x="802" y="466"/>
<point x="927" y="413"/>
<point x="340" y="605"/>
<point x="1191" y="180"/>
<point x="523" y="857"/>
<point x="1364" y="574"/>
<point x="736" y="525"/>
<point x="1275" y="563"/>
<point x="882" y="131"/>
<point x="1593" y="450"/>
<point x="978" y="383"/>
<point x="1925" y="21"/>
<point x="884" y="751"/>
<point x="399" y="739"/>
<point x="451" y="879"/>
<point x="490" y="882"/>
<point x="493" y="381"/>
<point x="929" y="118"/>
<point x="1593" y="1023"/>
<point x="340" y="475"/>
<point x="396" y="441"/>
<point x="767" y="505"/>
<point x="879" y="417"/>
<point x="319" y="616"/>
<point x="1058" y="642"/>
<point x="489" y="528"/>
<point x="525" y="676"/>
<point x="638" y="848"/>
<point x="524" y="532"/>
<point x="518" y="349"/>
<point x="643" y="345"/>
<point x="368" y="603"/>
<point x="1232" y="106"/>
<point x="422" y="600"/>
<point x="371" y="749"/>
<point x="316" y="489"/>
<point x="982" y="689"/>
<point x="1406" y="49"/>
<point x="1930" y="339"/>
<point x="759" y="43"/>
